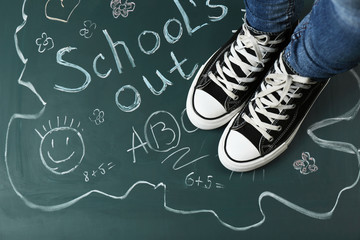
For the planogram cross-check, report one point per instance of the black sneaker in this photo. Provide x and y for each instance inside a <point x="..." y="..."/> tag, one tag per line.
<point x="230" y="76"/>
<point x="269" y="122"/>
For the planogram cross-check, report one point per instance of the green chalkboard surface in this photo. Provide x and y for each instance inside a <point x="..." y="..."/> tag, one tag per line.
<point x="96" y="144"/>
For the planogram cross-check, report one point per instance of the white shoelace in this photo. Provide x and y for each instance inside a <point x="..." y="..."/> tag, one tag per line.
<point x="259" y="44"/>
<point x="285" y="86"/>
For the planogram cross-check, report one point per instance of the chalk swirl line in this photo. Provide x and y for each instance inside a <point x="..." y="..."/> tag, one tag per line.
<point x="334" y="145"/>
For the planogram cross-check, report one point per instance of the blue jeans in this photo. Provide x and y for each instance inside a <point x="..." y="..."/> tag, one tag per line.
<point x="325" y="43"/>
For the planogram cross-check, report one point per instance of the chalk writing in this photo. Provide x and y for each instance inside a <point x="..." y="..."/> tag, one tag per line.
<point x="224" y="11"/>
<point x="164" y="81"/>
<point x="164" y="123"/>
<point x="160" y="123"/>
<point x="178" y="67"/>
<point x="161" y="132"/>
<point x="186" y="19"/>
<point x="183" y="123"/>
<point x="156" y="45"/>
<point x="123" y="7"/>
<point x="101" y="75"/>
<point x="59" y="59"/>
<point x="191" y="180"/>
<point x="102" y="169"/>
<point x="134" y="105"/>
<point x="172" y="39"/>
<point x="115" y="54"/>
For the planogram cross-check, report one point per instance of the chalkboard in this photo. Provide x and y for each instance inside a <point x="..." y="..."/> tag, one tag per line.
<point x="96" y="144"/>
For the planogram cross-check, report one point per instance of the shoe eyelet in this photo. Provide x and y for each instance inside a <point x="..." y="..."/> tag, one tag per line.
<point x="300" y="95"/>
<point x="279" y="128"/>
<point x="271" y="139"/>
<point x="246" y="88"/>
<point x="236" y="98"/>
<point x="293" y="106"/>
<point x="287" y="117"/>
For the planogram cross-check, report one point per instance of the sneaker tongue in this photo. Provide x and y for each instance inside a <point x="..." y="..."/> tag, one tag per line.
<point x="264" y="118"/>
<point x="239" y="72"/>
<point x="270" y="109"/>
<point x="236" y="68"/>
<point x="250" y="51"/>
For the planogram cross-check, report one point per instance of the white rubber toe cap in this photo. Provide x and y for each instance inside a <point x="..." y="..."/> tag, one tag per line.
<point x="240" y="148"/>
<point x="206" y="105"/>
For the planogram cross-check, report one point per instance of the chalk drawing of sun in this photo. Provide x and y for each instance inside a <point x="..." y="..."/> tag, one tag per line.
<point x="62" y="147"/>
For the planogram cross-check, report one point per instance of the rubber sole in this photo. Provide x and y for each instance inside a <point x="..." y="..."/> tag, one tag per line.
<point x="250" y="165"/>
<point x="199" y="121"/>
<point x="238" y="166"/>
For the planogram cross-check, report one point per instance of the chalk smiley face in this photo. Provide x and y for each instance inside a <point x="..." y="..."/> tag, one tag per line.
<point x="62" y="150"/>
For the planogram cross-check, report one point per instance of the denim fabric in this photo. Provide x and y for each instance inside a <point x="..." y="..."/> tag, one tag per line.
<point x="272" y="16"/>
<point x="327" y="40"/>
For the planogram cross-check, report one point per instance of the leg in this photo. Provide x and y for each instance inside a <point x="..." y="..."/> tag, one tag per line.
<point x="227" y="80"/>
<point x="272" y="15"/>
<point x="324" y="44"/>
<point x="327" y="41"/>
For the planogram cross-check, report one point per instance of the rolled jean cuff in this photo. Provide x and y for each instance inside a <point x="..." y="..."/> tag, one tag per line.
<point x="324" y="45"/>
<point x="272" y="16"/>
